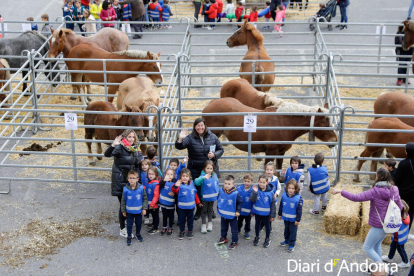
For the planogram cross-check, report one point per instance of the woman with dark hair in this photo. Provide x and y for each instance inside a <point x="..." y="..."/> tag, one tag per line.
<point x="201" y="145"/>
<point x="108" y="14"/>
<point x="379" y="196"/>
<point x="127" y="155"/>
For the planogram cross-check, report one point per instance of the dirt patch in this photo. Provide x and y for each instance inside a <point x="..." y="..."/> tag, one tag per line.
<point x="37" y="147"/>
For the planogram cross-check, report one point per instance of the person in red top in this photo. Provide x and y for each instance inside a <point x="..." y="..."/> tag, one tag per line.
<point x="153" y="193"/>
<point x="85" y="4"/>
<point x="239" y="12"/>
<point x="108" y="14"/>
<point x="252" y="17"/>
<point x="220" y="13"/>
<point x="187" y="200"/>
<point x="212" y="13"/>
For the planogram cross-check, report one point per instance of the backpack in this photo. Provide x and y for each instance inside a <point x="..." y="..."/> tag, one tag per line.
<point x="392" y="221"/>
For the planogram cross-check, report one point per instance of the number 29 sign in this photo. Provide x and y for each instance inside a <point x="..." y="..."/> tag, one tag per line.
<point x="250" y="123"/>
<point x="71" y="121"/>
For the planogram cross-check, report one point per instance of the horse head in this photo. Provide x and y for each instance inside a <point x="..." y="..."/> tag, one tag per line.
<point x="133" y="120"/>
<point x="240" y="36"/>
<point x="408" y="31"/>
<point x="56" y="42"/>
<point x="324" y="135"/>
<point x="153" y="67"/>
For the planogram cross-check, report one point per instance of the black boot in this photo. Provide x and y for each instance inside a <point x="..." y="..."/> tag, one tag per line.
<point x="214" y="215"/>
<point x="197" y="214"/>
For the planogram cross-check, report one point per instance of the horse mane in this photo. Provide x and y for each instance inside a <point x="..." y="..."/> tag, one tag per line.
<point x="286" y="106"/>
<point x="66" y="31"/>
<point x="410" y="25"/>
<point x="147" y="103"/>
<point x="270" y="100"/>
<point x="5" y="65"/>
<point x="135" y="54"/>
<point x="255" y="32"/>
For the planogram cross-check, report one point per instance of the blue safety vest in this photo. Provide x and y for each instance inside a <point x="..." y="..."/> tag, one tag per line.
<point x="274" y="183"/>
<point x="292" y="175"/>
<point x="144" y="179"/>
<point x="226" y="204"/>
<point x="290" y="204"/>
<point x="402" y="234"/>
<point x="247" y="204"/>
<point x="155" y="13"/>
<point x="211" y="188"/>
<point x="165" y="13"/>
<point x="133" y="200"/>
<point x="319" y="179"/>
<point x="165" y="198"/>
<point x="150" y="190"/>
<point x="186" y="196"/>
<point x="262" y="205"/>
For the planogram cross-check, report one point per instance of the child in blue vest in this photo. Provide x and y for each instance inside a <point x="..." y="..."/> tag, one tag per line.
<point x="176" y="166"/>
<point x="295" y="171"/>
<point x="151" y="152"/>
<point x="166" y="13"/>
<point x="245" y="191"/>
<point x="144" y="166"/>
<point x="318" y="181"/>
<point x="398" y="239"/>
<point x="411" y="273"/>
<point x="187" y="201"/>
<point x="167" y="202"/>
<point x="229" y="205"/>
<point x="209" y="184"/>
<point x="153" y="193"/>
<point x="155" y="9"/>
<point x="133" y="204"/>
<point x="290" y="210"/>
<point x="264" y="208"/>
<point x="270" y="171"/>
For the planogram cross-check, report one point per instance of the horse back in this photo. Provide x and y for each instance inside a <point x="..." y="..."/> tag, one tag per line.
<point x="99" y="119"/>
<point x="133" y="91"/>
<point x="110" y="39"/>
<point x="395" y="103"/>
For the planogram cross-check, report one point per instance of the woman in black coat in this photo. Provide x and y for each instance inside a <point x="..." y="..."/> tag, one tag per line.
<point x="127" y="156"/>
<point x="404" y="180"/>
<point x="202" y="145"/>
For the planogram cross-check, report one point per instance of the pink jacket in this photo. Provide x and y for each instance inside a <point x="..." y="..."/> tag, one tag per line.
<point x="105" y="14"/>
<point x="379" y="196"/>
<point x="280" y="15"/>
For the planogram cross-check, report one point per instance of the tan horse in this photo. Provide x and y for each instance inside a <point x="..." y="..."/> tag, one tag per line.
<point x="396" y="103"/>
<point x="232" y="105"/>
<point x="92" y="51"/>
<point x="139" y="91"/>
<point x="251" y="36"/>
<point x="4" y="76"/>
<point x="384" y="138"/>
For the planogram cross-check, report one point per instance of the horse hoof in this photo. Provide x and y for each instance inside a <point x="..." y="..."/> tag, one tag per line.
<point x="62" y="114"/>
<point x="92" y="163"/>
<point x="72" y="98"/>
<point x="99" y="158"/>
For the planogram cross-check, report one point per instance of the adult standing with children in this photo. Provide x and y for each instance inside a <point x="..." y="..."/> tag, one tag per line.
<point x="343" y="5"/>
<point x="138" y="14"/>
<point x="273" y="7"/>
<point x="197" y="7"/>
<point x="202" y="145"/>
<point x="404" y="180"/>
<point x="127" y="155"/>
<point x="379" y="196"/>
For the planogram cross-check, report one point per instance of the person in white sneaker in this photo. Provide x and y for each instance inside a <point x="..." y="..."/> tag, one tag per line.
<point x="318" y="182"/>
<point x="399" y="239"/>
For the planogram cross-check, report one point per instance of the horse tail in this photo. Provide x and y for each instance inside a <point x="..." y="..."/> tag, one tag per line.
<point x="5" y="65"/>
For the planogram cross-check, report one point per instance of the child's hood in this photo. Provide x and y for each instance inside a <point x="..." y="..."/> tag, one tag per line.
<point x="300" y="169"/>
<point x="273" y="178"/>
<point x="203" y="173"/>
<point x="269" y="188"/>
<point x="241" y="188"/>
<point x="136" y="187"/>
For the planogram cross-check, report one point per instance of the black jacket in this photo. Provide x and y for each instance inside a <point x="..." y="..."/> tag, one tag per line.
<point x="198" y="150"/>
<point x="404" y="177"/>
<point x="399" y="50"/>
<point x="124" y="161"/>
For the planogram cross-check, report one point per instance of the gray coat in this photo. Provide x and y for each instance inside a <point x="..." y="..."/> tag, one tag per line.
<point x="137" y="8"/>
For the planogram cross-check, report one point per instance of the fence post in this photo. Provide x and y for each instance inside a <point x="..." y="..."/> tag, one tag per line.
<point x="253" y="71"/>
<point x="72" y="141"/>
<point x="379" y="48"/>
<point x="328" y="72"/>
<point x="180" y="121"/>
<point x="105" y="82"/>
<point x="249" y="160"/>
<point x="35" y="115"/>
<point x="340" y="128"/>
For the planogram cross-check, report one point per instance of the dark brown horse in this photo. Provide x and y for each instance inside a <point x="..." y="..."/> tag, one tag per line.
<point x="232" y="105"/>
<point x="122" y="121"/>
<point x="384" y="138"/>
<point x="251" y="36"/>
<point x="92" y="51"/>
<point x="408" y="39"/>
<point x="4" y="76"/>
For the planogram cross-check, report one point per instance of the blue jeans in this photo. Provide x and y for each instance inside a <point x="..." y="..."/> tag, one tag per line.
<point x="233" y="228"/>
<point x="411" y="273"/>
<point x="286" y="4"/>
<point x="400" y="247"/>
<point x="291" y="232"/>
<point x="212" y="20"/>
<point x="344" y="17"/>
<point x="130" y="223"/>
<point x="410" y="10"/>
<point x="156" y="20"/>
<point x="372" y="244"/>
<point x="146" y="13"/>
<point x="186" y="215"/>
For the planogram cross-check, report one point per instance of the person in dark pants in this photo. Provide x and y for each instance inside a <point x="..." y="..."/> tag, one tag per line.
<point x="197" y="7"/>
<point x="138" y="14"/>
<point x="273" y="6"/>
<point x="402" y="68"/>
<point x="245" y="192"/>
<point x="343" y="5"/>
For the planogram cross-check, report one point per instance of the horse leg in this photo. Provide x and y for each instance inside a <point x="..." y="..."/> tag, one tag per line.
<point x="99" y="150"/>
<point x="89" y="135"/>
<point x="366" y="153"/>
<point x="75" y="87"/>
<point x="89" y="91"/>
<point x="374" y="163"/>
<point x="112" y="91"/>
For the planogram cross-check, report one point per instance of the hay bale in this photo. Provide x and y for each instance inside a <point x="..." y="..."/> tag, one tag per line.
<point x="365" y="227"/>
<point x="342" y="215"/>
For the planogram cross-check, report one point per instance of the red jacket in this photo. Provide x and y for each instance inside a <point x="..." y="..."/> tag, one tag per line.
<point x="239" y="12"/>
<point x="219" y="6"/>
<point x="105" y="17"/>
<point x="154" y="202"/>
<point x="85" y="3"/>
<point x="252" y="17"/>
<point x="212" y="11"/>
<point x="175" y="190"/>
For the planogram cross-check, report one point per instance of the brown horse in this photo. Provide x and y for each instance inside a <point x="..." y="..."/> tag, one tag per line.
<point x="139" y="91"/>
<point x="233" y="105"/>
<point x="92" y="51"/>
<point x="384" y="138"/>
<point x="395" y="103"/>
<point x="4" y="76"/>
<point x="122" y="121"/>
<point x="251" y="36"/>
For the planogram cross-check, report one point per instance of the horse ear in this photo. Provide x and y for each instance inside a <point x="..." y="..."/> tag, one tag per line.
<point x="405" y="25"/>
<point x="128" y="108"/>
<point x="149" y="55"/>
<point x="60" y="33"/>
<point x="320" y="110"/>
<point x="245" y="23"/>
<point x="326" y="106"/>
<point x="51" y="30"/>
<point x="159" y="54"/>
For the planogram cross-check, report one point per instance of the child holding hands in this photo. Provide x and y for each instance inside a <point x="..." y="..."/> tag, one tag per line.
<point x="167" y="202"/>
<point x="290" y="210"/>
<point x="318" y="181"/>
<point x="153" y="193"/>
<point x="245" y="191"/>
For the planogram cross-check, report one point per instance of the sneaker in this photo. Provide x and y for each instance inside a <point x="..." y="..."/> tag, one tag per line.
<point x="284" y="243"/>
<point x="280" y="35"/>
<point x="291" y="249"/>
<point x="170" y="232"/>
<point x="408" y="18"/>
<point x="139" y="238"/>
<point x="150" y="225"/>
<point x="343" y="27"/>
<point x="203" y="228"/>
<point x="338" y="26"/>
<point x="153" y="231"/>
<point x="181" y="235"/>
<point x="233" y="245"/>
<point x="169" y="27"/>
<point x="323" y="208"/>
<point x="129" y="241"/>
<point x="209" y="227"/>
<point x="399" y="82"/>
<point x="247" y="235"/>
<point x="190" y="235"/>
<point x="123" y="233"/>
<point x="146" y="221"/>
<point x="163" y="231"/>
<point x="222" y="241"/>
<point x="266" y="244"/>
<point x="386" y="259"/>
<point x="313" y="212"/>
<point x="403" y="265"/>
<point x="256" y="241"/>
<point x="214" y="215"/>
<point x="210" y="28"/>
<point x="410" y="236"/>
